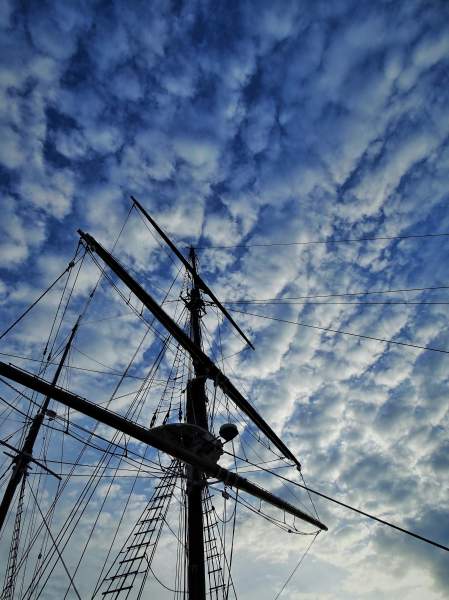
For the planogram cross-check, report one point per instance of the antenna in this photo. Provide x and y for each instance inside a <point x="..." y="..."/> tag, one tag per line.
<point x="196" y="278"/>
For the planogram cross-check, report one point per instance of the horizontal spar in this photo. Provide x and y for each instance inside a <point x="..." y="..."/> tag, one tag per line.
<point x="151" y="438"/>
<point x="197" y="354"/>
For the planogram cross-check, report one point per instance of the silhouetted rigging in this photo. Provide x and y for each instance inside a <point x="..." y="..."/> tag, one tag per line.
<point x="163" y="429"/>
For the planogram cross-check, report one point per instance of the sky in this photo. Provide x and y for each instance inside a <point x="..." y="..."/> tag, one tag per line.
<point x="250" y="125"/>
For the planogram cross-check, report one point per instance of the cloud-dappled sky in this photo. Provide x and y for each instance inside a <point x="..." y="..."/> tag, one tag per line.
<point x="246" y="123"/>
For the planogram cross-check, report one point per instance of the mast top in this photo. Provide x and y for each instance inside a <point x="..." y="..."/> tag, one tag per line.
<point x="198" y="280"/>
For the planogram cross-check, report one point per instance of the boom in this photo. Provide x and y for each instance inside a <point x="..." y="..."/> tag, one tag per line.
<point x="151" y="438"/>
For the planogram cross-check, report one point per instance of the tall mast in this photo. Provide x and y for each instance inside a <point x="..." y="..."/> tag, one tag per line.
<point x="196" y="414"/>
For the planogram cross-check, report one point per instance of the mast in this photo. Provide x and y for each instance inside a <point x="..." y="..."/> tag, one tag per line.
<point x="197" y="354"/>
<point x="196" y="414"/>
<point x="25" y="454"/>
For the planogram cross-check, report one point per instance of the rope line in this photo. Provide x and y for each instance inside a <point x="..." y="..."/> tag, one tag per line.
<point x="341" y="332"/>
<point x="52" y="285"/>
<point x="338" y="295"/>
<point x="54" y="543"/>
<point x="297" y="566"/>
<point x="331" y="241"/>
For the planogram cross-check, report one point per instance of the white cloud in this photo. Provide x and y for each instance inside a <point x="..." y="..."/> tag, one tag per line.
<point x="52" y="192"/>
<point x="103" y="139"/>
<point x="17" y="241"/>
<point x="72" y="144"/>
<point x="11" y="154"/>
<point x="254" y="125"/>
<point x="200" y="152"/>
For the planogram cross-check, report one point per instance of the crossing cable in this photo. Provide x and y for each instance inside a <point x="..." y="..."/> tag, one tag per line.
<point x="85" y="497"/>
<point x="288" y="303"/>
<point x="60" y="490"/>
<point x="44" y="362"/>
<point x="12" y="407"/>
<point x="72" y="367"/>
<point x="72" y="517"/>
<point x="11" y="568"/>
<point x="341" y="332"/>
<point x="91" y="482"/>
<point x="331" y="241"/>
<point x="276" y="522"/>
<point x="122" y="515"/>
<point x="180" y="546"/>
<point x="54" y="543"/>
<point x="338" y="295"/>
<point x="106" y="275"/>
<point x="91" y="433"/>
<point x="99" y="580"/>
<point x="234" y="522"/>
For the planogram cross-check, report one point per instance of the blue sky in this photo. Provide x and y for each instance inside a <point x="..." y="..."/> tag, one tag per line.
<point x="243" y="123"/>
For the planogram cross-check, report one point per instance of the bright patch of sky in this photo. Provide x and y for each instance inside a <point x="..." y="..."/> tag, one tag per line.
<point x="255" y="123"/>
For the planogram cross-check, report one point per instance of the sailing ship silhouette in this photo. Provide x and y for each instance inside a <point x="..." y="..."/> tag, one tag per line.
<point x="185" y="439"/>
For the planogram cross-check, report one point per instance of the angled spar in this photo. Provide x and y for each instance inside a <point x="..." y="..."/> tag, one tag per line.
<point x="198" y="280"/>
<point x="212" y="371"/>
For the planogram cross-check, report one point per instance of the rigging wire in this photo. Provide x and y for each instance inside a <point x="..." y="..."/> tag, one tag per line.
<point x="26" y="552"/>
<point x="12" y="406"/>
<point x="341" y="332"/>
<point x="231" y="556"/>
<point x="47" y="353"/>
<point x="161" y="246"/>
<point x="377" y="339"/>
<point x="106" y="275"/>
<point x="310" y="496"/>
<point x="338" y="295"/>
<point x="71" y="264"/>
<point x="10" y="579"/>
<point x="258" y="511"/>
<point x="77" y="426"/>
<point x="331" y="241"/>
<point x="91" y="433"/>
<point x="165" y="344"/>
<point x="98" y="583"/>
<point x="54" y="543"/>
<point x="42" y="368"/>
<point x="297" y="566"/>
<point x="72" y="367"/>
<point x="106" y="495"/>
<point x="289" y="303"/>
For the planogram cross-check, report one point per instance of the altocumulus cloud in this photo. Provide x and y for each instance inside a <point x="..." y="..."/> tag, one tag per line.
<point x="261" y="122"/>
